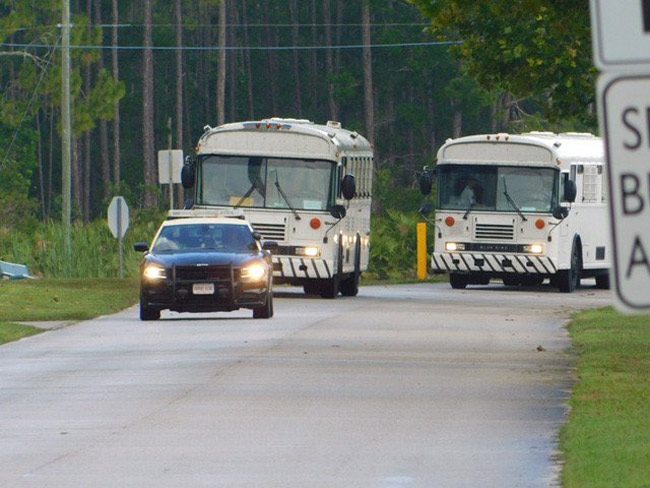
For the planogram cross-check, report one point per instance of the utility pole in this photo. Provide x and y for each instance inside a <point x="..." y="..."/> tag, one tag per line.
<point x="66" y="209"/>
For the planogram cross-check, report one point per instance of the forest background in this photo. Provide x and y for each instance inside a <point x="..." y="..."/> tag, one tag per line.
<point x="150" y="74"/>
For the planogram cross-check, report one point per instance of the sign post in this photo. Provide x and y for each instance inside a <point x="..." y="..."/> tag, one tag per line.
<point x="118" y="223"/>
<point x="621" y="49"/>
<point x="170" y="163"/>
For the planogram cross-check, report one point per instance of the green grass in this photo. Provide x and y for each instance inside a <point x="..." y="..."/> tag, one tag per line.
<point x="12" y="332"/>
<point x="64" y="299"/>
<point x="606" y="442"/>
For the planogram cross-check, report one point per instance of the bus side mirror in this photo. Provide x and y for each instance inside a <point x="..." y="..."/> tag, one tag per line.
<point x="188" y="173"/>
<point x="348" y="187"/>
<point x="426" y="181"/>
<point x="560" y="212"/>
<point x="338" y="211"/>
<point x="570" y="191"/>
<point x="425" y="208"/>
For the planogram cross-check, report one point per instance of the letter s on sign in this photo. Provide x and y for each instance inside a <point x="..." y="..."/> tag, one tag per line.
<point x="626" y="122"/>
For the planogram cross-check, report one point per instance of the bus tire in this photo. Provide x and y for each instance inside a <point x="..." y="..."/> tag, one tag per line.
<point x="569" y="279"/>
<point x="458" y="281"/>
<point x="511" y="280"/>
<point x="350" y="285"/>
<point x="602" y="281"/>
<point x="330" y="288"/>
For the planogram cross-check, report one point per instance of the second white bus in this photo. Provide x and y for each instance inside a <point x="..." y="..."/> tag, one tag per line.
<point x="521" y="208"/>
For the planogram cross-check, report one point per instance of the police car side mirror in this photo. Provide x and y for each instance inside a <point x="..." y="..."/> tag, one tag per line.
<point x="257" y="236"/>
<point x="348" y="187"/>
<point x="141" y="246"/>
<point x="570" y="191"/>
<point x="188" y="173"/>
<point x="270" y="246"/>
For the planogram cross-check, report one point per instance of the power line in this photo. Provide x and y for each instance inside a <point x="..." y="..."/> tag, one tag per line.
<point x="253" y="25"/>
<point x="241" y="48"/>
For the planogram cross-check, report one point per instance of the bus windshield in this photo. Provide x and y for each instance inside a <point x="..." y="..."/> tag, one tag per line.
<point x="240" y="181"/>
<point x="497" y="188"/>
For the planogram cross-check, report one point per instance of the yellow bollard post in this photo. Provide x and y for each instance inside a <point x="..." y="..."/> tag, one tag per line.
<point x="422" y="251"/>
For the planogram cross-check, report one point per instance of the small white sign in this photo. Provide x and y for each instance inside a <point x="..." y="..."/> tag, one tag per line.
<point x="620" y="33"/>
<point x="170" y="163"/>
<point x="118" y="217"/>
<point x="625" y="121"/>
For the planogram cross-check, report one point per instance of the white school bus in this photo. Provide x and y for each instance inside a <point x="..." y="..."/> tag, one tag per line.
<point x="521" y="208"/>
<point x="305" y="188"/>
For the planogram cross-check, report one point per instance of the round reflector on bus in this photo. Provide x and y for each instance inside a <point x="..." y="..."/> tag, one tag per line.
<point x="450" y="221"/>
<point x="314" y="223"/>
<point x="539" y="223"/>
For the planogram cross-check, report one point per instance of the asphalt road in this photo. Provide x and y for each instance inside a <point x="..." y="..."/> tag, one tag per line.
<point x="402" y="386"/>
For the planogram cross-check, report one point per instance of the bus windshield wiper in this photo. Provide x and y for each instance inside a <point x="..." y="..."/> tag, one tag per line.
<point x="284" y="197"/>
<point x="511" y="201"/>
<point x="469" y="208"/>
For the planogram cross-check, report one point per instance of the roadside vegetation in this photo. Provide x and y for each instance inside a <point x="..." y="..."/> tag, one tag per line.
<point x="60" y="299"/>
<point x="607" y="439"/>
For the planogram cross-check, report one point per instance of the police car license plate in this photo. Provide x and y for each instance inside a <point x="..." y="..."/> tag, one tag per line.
<point x="203" y="288"/>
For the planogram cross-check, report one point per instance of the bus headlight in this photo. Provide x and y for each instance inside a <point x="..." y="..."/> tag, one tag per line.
<point x="454" y="246"/>
<point x="534" y="248"/>
<point x="254" y="272"/>
<point x="309" y="251"/>
<point x="154" y="272"/>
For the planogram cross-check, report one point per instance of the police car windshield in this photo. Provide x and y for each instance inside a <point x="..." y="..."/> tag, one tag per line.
<point x="206" y="237"/>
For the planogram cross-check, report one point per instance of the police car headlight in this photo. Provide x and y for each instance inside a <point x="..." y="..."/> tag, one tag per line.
<point x="154" y="272"/>
<point x="254" y="272"/>
<point x="454" y="246"/>
<point x="534" y="248"/>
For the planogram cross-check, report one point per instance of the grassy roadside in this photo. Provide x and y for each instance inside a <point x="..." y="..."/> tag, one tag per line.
<point x="60" y="299"/>
<point x="606" y="442"/>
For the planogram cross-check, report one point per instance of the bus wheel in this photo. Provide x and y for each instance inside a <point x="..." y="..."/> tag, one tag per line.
<point x="569" y="279"/>
<point x="311" y="288"/>
<point x="330" y="288"/>
<point x="602" y="281"/>
<point x="457" y="281"/>
<point x="513" y="280"/>
<point x="350" y="285"/>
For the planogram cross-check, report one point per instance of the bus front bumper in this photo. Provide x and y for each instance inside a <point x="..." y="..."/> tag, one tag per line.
<point x="497" y="264"/>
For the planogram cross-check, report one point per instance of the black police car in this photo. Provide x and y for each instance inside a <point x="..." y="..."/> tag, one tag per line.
<point x="205" y="265"/>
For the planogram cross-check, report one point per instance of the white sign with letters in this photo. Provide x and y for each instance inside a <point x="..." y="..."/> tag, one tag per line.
<point x="620" y="33"/>
<point x="625" y="121"/>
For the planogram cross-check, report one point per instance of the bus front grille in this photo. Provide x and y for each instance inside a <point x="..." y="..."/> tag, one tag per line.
<point x="502" y="232"/>
<point x="270" y="232"/>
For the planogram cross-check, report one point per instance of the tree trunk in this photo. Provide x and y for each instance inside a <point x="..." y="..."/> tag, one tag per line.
<point x="179" y="85"/>
<point x="233" y="61"/>
<point x="116" y="116"/>
<point x="329" y="60"/>
<point x="272" y="62"/>
<point x="149" y="143"/>
<point x="221" y="65"/>
<point x="103" y="125"/>
<point x="295" y="39"/>
<point x="367" y="73"/>
<point x="457" y="121"/>
<point x="314" y="58"/>
<point x="41" y="165"/>
<point x="247" y="63"/>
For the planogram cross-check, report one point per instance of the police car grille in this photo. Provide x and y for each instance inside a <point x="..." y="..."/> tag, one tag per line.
<point x="204" y="273"/>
